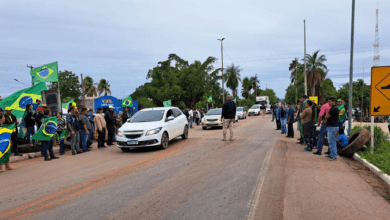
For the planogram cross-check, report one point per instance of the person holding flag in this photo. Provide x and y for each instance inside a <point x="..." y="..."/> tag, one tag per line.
<point x="10" y="119"/>
<point x="5" y="146"/>
<point x="46" y="134"/>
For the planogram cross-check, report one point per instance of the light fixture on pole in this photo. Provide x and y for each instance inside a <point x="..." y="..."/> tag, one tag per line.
<point x="20" y="82"/>
<point x="223" y="80"/>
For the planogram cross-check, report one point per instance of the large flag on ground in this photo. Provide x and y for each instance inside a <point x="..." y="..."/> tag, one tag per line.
<point x="127" y="102"/>
<point x="210" y="99"/>
<point x="47" y="130"/>
<point x="18" y="101"/>
<point x="45" y="73"/>
<point x="167" y="103"/>
<point x="5" y="136"/>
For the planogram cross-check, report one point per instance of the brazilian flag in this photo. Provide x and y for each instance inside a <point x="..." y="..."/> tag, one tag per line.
<point x="18" y="101"/>
<point x="66" y="105"/>
<point x="167" y="103"/>
<point x="5" y="136"/>
<point x="210" y="99"/>
<point x="45" y="73"/>
<point x="234" y="100"/>
<point x="127" y="102"/>
<point x="47" y="130"/>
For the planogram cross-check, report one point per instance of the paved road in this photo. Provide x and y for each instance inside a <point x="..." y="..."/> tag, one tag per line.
<point x="260" y="175"/>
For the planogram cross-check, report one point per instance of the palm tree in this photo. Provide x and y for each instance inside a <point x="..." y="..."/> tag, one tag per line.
<point x="294" y="69"/>
<point x="247" y="86"/>
<point x="233" y="78"/>
<point x="104" y="86"/>
<point x="255" y="83"/>
<point x="316" y="71"/>
<point x="89" y="87"/>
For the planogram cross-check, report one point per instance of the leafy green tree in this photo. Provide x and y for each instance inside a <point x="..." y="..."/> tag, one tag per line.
<point x="247" y="103"/>
<point x="246" y="87"/>
<point x="294" y="70"/>
<point x="361" y="94"/>
<point x="271" y="94"/>
<point x="90" y="89"/>
<point x="145" y="103"/>
<point x="69" y="86"/>
<point x="317" y="71"/>
<point x="255" y="83"/>
<point x="233" y="77"/>
<point x="104" y="86"/>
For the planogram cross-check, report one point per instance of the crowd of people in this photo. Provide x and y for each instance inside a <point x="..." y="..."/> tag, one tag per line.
<point x="194" y="116"/>
<point x="80" y="125"/>
<point x="330" y="117"/>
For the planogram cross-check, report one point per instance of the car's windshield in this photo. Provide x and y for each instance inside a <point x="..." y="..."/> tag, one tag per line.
<point x="255" y="107"/>
<point x="215" y="112"/>
<point x="240" y="109"/>
<point x="147" y="116"/>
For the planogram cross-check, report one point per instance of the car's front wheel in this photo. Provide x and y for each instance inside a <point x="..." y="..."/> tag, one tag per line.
<point x="185" y="132"/>
<point x="164" y="140"/>
<point x="204" y="128"/>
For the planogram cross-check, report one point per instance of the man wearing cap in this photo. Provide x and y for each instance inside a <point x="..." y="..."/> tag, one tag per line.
<point x="342" y="113"/>
<point x="290" y="120"/>
<point x="38" y="117"/>
<point x="11" y="119"/>
<point x="110" y="121"/>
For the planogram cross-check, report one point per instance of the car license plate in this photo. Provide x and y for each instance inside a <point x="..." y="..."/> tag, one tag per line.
<point x="212" y="124"/>
<point x="132" y="142"/>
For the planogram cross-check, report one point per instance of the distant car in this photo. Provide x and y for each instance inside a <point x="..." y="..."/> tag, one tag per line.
<point x="268" y="110"/>
<point x="213" y="119"/>
<point x="152" y="127"/>
<point x="254" y="110"/>
<point x="241" y="113"/>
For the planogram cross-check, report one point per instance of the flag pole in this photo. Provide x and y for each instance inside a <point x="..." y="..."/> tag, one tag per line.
<point x="58" y="91"/>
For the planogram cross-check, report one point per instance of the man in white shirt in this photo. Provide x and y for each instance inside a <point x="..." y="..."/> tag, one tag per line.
<point x="190" y="120"/>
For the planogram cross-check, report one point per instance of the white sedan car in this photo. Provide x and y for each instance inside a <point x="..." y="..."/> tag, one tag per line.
<point x="152" y="127"/>
<point x="254" y="110"/>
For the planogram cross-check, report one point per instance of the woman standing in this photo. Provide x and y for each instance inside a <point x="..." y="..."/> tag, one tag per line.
<point x="4" y="160"/>
<point x="308" y="116"/>
<point x="60" y="129"/>
<point x="283" y="118"/>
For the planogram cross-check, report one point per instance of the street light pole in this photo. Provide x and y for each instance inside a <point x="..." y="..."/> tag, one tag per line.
<point x="304" y="26"/>
<point x="351" y="68"/>
<point x="223" y="80"/>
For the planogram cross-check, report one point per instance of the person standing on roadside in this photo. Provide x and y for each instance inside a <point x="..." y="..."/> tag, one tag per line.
<point x="332" y="128"/>
<point x="85" y="128"/>
<point x="342" y="113"/>
<point x="101" y="127"/>
<point x="38" y="117"/>
<point x="228" y="117"/>
<point x="283" y="118"/>
<point x="37" y="104"/>
<point x="61" y="128"/>
<point x="201" y="114"/>
<point x="9" y="120"/>
<point x="290" y="120"/>
<point x="48" y="145"/>
<point x="307" y="117"/>
<point x="4" y="160"/>
<point x="262" y="109"/>
<point x="191" y="118"/>
<point x="322" y="122"/>
<point x="110" y="121"/>
<point x="197" y="117"/>
<point x="30" y="123"/>
<point x="90" y="117"/>
<point x="277" y="116"/>
<point x="72" y="125"/>
<point x="126" y="115"/>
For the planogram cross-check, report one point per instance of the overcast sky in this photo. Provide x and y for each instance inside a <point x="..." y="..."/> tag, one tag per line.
<point x="122" y="40"/>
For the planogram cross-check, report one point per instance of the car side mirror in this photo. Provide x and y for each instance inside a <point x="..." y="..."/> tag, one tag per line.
<point x="170" y="118"/>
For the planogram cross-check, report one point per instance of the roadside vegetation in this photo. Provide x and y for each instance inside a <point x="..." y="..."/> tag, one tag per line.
<point x="381" y="156"/>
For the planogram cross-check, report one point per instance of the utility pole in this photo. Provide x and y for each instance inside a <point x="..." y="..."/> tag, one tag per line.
<point x="304" y="27"/>
<point x="351" y="67"/>
<point x="223" y="80"/>
<point x="31" y="68"/>
<point x="82" y="87"/>
<point x="295" y="84"/>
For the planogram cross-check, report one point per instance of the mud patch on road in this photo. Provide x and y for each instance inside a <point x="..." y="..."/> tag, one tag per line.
<point x="371" y="178"/>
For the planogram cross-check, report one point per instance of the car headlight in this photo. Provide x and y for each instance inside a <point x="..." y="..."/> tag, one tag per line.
<point x="120" y="134"/>
<point x="203" y="120"/>
<point x="154" y="131"/>
<point x="219" y="120"/>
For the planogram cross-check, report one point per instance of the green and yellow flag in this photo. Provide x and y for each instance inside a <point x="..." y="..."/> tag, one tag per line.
<point x="127" y="102"/>
<point x="234" y="100"/>
<point x="45" y="73"/>
<point x="47" y="130"/>
<point x="210" y="99"/>
<point x="5" y="137"/>
<point x="18" y="101"/>
<point x="66" y="105"/>
<point x="167" y="103"/>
